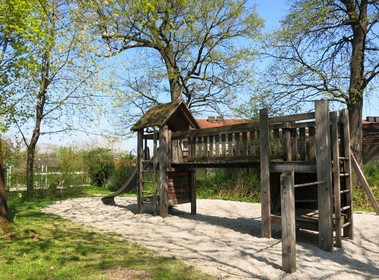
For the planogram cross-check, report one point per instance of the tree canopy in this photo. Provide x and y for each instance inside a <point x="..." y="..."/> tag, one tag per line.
<point x="195" y="49"/>
<point x="325" y="49"/>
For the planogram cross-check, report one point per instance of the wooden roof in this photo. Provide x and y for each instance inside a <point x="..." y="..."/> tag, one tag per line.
<point x="175" y="114"/>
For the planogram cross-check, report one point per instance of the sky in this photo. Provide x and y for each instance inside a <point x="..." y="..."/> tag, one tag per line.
<point x="271" y="11"/>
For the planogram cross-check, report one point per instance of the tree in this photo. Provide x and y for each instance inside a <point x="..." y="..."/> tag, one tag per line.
<point x="17" y="28"/>
<point x="326" y="49"/>
<point x="60" y="84"/>
<point x="196" y="49"/>
<point x="4" y="213"/>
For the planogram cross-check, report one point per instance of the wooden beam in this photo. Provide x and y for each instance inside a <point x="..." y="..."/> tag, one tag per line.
<point x="288" y="221"/>
<point x="265" y="173"/>
<point x="163" y="165"/>
<point x="344" y="118"/>
<point x="192" y="183"/>
<point x="336" y="179"/>
<point x="140" y="157"/>
<point x="363" y="182"/>
<point x="324" y="166"/>
<point x="155" y="167"/>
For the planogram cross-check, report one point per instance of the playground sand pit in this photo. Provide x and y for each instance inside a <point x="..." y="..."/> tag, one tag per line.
<point x="223" y="239"/>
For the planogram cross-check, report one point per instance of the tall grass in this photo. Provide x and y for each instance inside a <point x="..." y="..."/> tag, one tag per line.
<point x="233" y="184"/>
<point x="360" y="198"/>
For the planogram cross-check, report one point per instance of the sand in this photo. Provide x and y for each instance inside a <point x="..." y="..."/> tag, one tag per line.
<point x="223" y="239"/>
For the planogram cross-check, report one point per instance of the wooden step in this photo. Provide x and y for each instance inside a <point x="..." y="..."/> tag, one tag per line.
<point x="346" y="224"/>
<point x="343" y="158"/>
<point x="344" y="191"/>
<point x="345" y="208"/>
<point x="344" y="174"/>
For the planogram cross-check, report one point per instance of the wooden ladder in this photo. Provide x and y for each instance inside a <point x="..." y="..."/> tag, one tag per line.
<point x="149" y="176"/>
<point x="342" y="181"/>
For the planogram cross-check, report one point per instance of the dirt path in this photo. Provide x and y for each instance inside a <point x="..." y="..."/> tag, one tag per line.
<point x="223" y="239"/>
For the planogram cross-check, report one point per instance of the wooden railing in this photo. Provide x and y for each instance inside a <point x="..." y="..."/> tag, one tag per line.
<point x="291" y="138"/>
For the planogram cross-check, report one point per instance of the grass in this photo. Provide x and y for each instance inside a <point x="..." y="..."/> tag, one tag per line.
<point x="360" y="198"/>
<point x="44" y="246"/>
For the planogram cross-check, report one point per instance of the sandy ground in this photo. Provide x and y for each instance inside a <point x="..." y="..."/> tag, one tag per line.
<point x="223" y="239"/>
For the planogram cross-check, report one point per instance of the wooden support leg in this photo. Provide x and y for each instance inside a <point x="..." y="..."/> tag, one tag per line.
<point x="193" y="191"/>
<point x="163" y="164"/>
<point x="287" y="195"/>
<point x="265" y="174"/>
<point x="324" y="167"/>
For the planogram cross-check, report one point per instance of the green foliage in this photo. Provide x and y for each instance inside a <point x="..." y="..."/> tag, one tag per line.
<point x="123" y="169"/>
<point x="232" y="184"/>
<point x="42" y="246"/>
<point x="194" y="47"/>
<point x="360" y="199"/>
<point x="100" y="164"/>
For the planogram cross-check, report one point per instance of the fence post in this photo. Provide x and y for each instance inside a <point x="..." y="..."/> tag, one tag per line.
<point x="287" y="196"/>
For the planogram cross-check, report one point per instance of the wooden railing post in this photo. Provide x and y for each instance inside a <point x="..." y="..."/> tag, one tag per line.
<point x="265" y="173"/>
<point x="287" y="196"/>
<point x="324" y="167"/>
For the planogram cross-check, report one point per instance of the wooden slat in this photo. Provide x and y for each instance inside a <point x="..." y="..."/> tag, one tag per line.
<point x="292" y="118"/>
<point x="287" y="142"/>
<point x="300" y="167"/>
<point x="217" y="145"/>
<point x="302" y="144"/>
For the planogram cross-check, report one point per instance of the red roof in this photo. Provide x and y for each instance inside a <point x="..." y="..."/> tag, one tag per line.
<point x="370" y="133"/>
<point x="205" y="123"/>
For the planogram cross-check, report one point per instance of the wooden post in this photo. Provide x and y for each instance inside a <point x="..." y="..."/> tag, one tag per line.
<point x="140" y="157"/>
<point x="287" y="141"/>
<point x="324" y="166"/>
<point x="155" y="167"/>
<point x="287" y="196"/>
<point x="163" y="165"/>
<point x="348" y="231"/>
<point x="192" y="183"/>
<point x="336" y="179"/>
<point x="265" y="173"/>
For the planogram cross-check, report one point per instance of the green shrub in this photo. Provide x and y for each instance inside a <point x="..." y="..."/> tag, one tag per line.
<point x="100" y="165"/>
<point x="360" y="199"/>
<point x="123" y="169"/>
<point x="235" y="184"/>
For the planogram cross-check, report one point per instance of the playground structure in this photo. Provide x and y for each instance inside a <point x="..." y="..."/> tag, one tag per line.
<point x="312" y="148"/>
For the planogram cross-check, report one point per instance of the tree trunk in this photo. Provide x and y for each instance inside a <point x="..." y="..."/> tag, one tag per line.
<point x="4" y="213"/>
<point x="41" y="98"/>
<point x="176" y="87"/>
<point x="355" y="120"/>
<point x="40" y="103"/>
<point x="358" y="83"/>
<point x="30" y="164"/>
